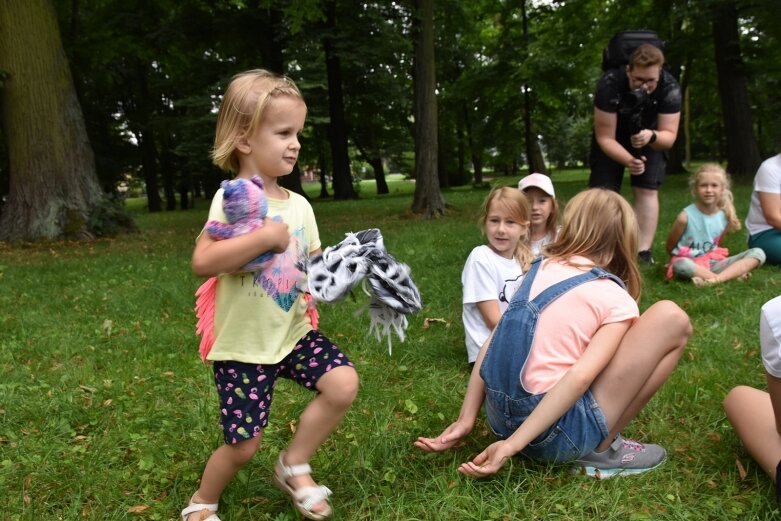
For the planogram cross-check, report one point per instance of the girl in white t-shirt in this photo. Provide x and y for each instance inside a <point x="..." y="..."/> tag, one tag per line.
<point x="570" y="363"/>
<point x="493" y="269"/>
<point x="756" y="414"/>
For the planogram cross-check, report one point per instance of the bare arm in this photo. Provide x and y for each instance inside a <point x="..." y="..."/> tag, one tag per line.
<point x="212" y="257"/>
<point x="605" y="133"/>
<point x="557" y="401"/>
<point x="473" y="400"/>
<point x="771" y="208"/>
<point x="489" y="310"/>
<point x="667" y="131"/>
<point x="678" y="227"/>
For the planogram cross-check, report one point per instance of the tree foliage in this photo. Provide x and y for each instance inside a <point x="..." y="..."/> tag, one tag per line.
<point x="514" y="84"/>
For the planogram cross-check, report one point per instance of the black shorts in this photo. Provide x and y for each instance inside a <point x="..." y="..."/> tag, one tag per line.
<point x="246" y="390"/>
<point x="606" y="173"/>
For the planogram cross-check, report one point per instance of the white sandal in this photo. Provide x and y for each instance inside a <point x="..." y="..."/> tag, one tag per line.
<point x="197" y="507"/>
<point x="304" y="498"/>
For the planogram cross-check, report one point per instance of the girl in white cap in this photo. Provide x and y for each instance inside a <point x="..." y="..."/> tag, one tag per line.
<point x="544" y="228"/>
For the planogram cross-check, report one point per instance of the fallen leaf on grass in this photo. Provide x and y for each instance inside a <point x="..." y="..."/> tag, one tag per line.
<point x="138" y="509"/>
<point x="741" y="469"/>
<point x="430" y="320"/>
<point x="714" y="437"/>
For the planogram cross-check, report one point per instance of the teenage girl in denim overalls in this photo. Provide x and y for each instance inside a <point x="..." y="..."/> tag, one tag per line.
<point x="565" y="393"/>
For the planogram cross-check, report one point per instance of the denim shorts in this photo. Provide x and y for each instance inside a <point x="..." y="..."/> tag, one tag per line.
<point x="574" y="435"/>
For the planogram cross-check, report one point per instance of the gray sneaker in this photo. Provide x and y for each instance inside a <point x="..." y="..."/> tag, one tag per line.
<point x="623" y="457"/>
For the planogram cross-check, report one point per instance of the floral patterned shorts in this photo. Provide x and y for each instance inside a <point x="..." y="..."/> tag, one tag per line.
<point x="246" y="390"/>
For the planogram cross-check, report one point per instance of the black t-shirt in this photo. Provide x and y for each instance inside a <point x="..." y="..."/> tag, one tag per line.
<point x="613" y="87"/>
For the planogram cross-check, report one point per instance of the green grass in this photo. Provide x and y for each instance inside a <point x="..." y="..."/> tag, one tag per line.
<point x="107" y="413"/>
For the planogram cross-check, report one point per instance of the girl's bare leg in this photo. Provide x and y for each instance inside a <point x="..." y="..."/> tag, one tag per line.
<point x="337" y="390"/>
<point x="221" y="468"/>
<point x="750" y="412"/>
<point x="645" y="358"/>
<point x="737" y="269"/>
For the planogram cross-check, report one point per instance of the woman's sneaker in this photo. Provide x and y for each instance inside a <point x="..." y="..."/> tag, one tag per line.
<point x="624" y="457"/>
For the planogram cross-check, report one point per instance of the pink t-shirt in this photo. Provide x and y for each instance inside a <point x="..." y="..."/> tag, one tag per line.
<point x="566" y="327"/>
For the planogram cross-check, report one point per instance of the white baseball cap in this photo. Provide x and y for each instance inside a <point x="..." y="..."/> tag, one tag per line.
<point x="541" y="181"/>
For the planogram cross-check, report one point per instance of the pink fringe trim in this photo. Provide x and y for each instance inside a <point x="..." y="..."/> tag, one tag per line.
<point x="311" y="310"/>
<point x="204" y="311"/>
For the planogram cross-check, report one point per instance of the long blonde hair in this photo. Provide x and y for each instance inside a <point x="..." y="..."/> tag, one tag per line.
<point x="600" y="225"/>
<point x="241" y="111"/>
<point x="726" y="203"/>
<point x="516" y="204"/>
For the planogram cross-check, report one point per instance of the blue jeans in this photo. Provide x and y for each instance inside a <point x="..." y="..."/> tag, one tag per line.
<point x="508" y="404"/>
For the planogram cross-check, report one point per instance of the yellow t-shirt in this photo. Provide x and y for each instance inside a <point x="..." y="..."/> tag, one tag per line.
<point x="260" y="321"/>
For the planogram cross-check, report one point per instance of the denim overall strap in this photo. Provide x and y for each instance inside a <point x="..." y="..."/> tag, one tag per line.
<point x="512" y="339"/>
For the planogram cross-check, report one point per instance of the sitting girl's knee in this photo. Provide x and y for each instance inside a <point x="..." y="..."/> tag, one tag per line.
<point x="673" y="317"/>
<point x="684" y="269"/>
<point x="757" y="254"/>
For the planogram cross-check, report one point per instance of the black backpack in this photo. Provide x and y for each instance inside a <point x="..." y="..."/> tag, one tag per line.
<point x="624" y="43"/>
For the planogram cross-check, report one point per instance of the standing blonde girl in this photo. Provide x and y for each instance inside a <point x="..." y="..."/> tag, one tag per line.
<point x="694" y="242"/>
<point x="571" y="364"/>
<point x="261" y="328"/>
<point x="544" y="228"/>
<point x="493" y="269"/>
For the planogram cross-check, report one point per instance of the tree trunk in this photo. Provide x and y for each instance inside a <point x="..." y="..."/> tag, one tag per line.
<point x="146" y="138"/>
<point x="428" y="198"/>
<point x="272" y="39"/>
<point x="742" y="151"/>
<point x="343" y="179"/>
<point x="477" y="163"/>
<point x="322" y="162"/>
<point x="53" y="184"/>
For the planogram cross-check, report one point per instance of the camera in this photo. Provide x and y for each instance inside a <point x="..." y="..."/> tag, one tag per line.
<point x="632" y="104"/>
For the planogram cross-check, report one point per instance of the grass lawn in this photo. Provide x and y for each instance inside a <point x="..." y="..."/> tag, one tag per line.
<point x="107" y="413"/>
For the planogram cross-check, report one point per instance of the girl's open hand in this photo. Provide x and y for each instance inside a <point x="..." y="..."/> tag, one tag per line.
<point x="487" y="462"/>
<point x="449" y="437"/>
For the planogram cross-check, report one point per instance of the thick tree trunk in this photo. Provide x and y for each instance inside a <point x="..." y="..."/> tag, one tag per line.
<point x="428" y="197"/>
<point x="343" y="179"/>
<point x="53" y="184"/>
<point x="742" y="151"/>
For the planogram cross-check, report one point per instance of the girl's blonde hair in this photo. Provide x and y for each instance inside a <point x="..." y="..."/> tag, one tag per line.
<point x="241" y="111"/>
<point x="600" y="225"/>
<point x="726" y="203"/>
<point x="516" y="204"/>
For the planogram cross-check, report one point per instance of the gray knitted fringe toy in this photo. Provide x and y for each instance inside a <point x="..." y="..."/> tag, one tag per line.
<point x="361" y="257"/>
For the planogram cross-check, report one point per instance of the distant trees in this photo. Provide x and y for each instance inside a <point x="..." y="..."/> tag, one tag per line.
<point x="496" y="88"/>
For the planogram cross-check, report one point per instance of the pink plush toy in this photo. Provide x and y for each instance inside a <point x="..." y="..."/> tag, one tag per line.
<point x="245" y="206"/>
